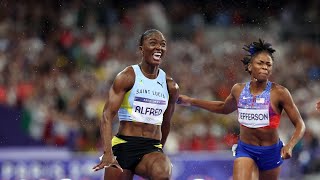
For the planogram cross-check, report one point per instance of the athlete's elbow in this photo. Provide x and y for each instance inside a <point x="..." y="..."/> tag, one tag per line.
<point x="106" y="116"/>
<point x="225" y="112"/>
<point x="219" y="111"/>
<point x="303" y="128"/>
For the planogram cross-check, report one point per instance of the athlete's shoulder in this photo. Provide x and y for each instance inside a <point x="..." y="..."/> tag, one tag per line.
<point x="126" y="71"/>
<point x="278" y="88"/>
<point x="238" y="86"/>
<point x="173" y="86"/>
<point x="127" y="74"/>
<point x="280" y="92"/>
<point x="125" y="78"/>
<point x="171" y="82"/>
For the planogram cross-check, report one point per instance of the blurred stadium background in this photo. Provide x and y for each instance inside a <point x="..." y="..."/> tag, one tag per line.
<point x="59" y="58"/>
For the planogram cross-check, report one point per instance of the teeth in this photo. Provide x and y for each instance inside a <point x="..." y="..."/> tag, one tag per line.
<point x="157" y="56"/>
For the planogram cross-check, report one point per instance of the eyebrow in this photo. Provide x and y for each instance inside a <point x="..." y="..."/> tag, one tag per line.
<point x="153" y="39"/>
<point x="267" y="62"/>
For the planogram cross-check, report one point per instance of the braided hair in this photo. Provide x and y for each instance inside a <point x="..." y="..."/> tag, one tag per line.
<point x="255" y="48"/>
<point x="145" y="34"/>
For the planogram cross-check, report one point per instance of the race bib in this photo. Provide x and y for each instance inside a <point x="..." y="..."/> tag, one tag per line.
<point x="253" y="118"/>
<point x="148" y="110"/>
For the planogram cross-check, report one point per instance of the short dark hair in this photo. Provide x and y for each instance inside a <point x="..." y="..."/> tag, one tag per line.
<point x="147" y="33"/>
<point x="255" y="48"/>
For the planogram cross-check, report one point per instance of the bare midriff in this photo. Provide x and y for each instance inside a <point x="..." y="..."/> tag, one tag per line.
<point x="259" y="136"/>
<point x="129" y="128"/>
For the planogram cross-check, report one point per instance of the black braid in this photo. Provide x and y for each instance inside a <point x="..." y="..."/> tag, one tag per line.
<point x="255" y="48"/>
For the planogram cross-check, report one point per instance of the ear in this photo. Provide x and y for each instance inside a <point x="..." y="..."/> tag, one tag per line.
<point x="249" y="67"/>
<point x="141" y="50"/>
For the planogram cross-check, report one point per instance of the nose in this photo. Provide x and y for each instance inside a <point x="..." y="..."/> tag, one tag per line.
<point x="264" y="66"/>
<point x="158" y="46"/>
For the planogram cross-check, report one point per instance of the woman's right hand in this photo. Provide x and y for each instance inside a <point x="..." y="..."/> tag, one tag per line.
<point x="184" y="100"/>
<point x="106" y="162"/>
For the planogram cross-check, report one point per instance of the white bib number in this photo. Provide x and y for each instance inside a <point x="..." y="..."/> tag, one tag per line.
<point x="253" y="118"/>
<point x="150" y="111"/>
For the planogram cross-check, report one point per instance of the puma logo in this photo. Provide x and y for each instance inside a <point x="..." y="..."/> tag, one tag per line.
<point x="161" y="84"/>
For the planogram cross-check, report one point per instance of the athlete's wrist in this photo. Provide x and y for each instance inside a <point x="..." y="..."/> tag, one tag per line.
<point x="107" y="152"/>
<point x="191" y="101"/>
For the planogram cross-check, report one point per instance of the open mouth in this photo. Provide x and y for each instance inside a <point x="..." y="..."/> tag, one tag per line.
<point x="157" y="56"/>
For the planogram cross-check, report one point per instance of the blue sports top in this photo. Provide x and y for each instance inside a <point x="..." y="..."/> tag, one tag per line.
<point x="256" y="111"/>
<point x="147" y="100"/>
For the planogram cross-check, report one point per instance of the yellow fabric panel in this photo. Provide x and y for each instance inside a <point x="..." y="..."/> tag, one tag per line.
<point x="158" y="146"/>
<point x="116" y="140"/>
<point x="125" y="103"/>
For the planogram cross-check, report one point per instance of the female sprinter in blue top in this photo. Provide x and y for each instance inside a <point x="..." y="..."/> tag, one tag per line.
<point x="260" y="102"/>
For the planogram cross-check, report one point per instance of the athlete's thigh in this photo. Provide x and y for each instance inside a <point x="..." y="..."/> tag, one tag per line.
<point x="272" y="174"/>
<point x="152" y="163"/>
<point x="244" y="168"/>
<point x="116" y="174"/>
